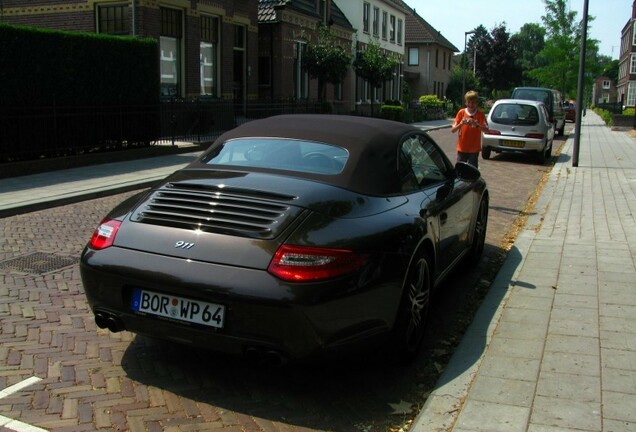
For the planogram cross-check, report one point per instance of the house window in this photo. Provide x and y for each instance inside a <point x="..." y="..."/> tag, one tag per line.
<point x="376" y="22"/>
<point x="392" y="29"/>
<point x="385" y="19"/>
<point x="437" y="58"/>
<point x="113" y="19"/>
<point x="631" y="94"/>
<point x="366" y="9"/>
<point x="301" y="78"/>
<point x="632" y="64"/>
<point x="634" y="34"/>
<point x="338" y="92"/>
<point x="208" y="55"/>
<point x="414" y="56"/>
<point x="399" y="32"/>
<point x="170" y="48"/>
<point x="606" y="84"/>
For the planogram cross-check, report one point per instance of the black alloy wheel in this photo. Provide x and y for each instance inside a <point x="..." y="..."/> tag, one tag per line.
<point x="479" y="232"/>
<point x="413" y="312"/>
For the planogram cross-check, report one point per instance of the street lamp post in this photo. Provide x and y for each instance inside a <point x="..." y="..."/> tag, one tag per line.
<point x="464" y="62"/>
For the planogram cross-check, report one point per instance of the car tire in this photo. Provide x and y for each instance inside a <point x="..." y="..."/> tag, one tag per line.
<point x="485" y="153"/>
<point x="479" y="233"/>
<point x="410" y="322"/>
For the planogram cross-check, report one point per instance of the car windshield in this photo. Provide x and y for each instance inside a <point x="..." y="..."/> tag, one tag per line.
<point x="516" y="114"/>
<point x="282" y="154"/>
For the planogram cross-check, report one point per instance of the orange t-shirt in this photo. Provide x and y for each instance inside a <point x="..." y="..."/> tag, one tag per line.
<point x="469" y="137"/>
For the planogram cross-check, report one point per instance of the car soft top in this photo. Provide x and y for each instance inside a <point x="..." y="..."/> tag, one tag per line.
<point x="372" y="144"/>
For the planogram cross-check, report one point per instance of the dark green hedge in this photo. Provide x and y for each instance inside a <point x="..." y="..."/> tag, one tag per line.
<point x="40" y="67"/>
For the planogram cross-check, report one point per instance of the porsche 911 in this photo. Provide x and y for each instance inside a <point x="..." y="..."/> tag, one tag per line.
<point x="290" y="237"/>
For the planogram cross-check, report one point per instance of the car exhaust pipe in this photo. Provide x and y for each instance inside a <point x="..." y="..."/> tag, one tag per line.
<point x="101" y="320"/>
<point x="105" y="320"/>
<point x="262" y="357"/>
<point x="114" y="324"/>
<point x="275" y="359"/>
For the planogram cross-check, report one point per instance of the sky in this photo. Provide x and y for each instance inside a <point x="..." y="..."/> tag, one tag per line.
<point x="455" y="17"/>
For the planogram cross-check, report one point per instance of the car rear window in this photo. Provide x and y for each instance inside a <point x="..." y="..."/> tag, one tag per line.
<point x="540" y="96"/>
<point x="281" y="154"/>
<point x="515" y="114"/>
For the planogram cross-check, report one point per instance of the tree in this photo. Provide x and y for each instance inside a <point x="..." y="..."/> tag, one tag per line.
<point x="609" y="67"/>
<point x="562" y="48"/>
<point x="455" y="84"/>
<point x="326" y="61"/>
<point x="528" y="43"/>
<point x="501" y="70"/>
<point x="374" y="65"/>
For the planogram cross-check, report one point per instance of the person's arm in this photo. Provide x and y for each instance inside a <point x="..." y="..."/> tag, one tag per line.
<point x="457" y="124"/>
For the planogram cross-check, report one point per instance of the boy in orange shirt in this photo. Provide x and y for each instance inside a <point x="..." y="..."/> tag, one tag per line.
<point x="470" y="122"/>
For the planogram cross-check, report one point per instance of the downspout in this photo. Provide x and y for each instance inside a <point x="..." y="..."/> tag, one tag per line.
<point x="134" y="18"/>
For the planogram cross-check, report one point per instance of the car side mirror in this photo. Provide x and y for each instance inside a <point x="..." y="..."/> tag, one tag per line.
<point x="466" y="172"/>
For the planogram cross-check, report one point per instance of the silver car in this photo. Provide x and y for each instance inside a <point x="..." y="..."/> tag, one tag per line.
<point x="521" y="126"/>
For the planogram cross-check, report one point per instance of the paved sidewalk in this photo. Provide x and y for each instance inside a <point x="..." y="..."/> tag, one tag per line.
<point x="553" y="346"/>
<point x="38" y="191"/>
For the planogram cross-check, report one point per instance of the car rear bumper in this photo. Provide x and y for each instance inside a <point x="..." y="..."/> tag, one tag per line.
<point x="264" y="316"/>
<point x="512" y="144"/>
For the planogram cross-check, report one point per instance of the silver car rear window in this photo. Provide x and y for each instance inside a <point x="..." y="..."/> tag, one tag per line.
<point x="517" y="114"/>
<point x="281" y="154"/>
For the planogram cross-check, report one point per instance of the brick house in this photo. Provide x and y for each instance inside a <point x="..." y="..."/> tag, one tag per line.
<point x="627" y="62"/>
<point x="206" y="48"/>
<point x="285" y="29"/>
<point x="604" y="91"/>
<point x="429" y="57"/>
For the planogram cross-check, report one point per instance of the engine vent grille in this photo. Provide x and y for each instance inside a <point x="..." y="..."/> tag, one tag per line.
<point x="237" y="211"/>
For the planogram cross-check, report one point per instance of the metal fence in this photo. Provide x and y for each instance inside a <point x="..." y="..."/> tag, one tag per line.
<point x="613" y="107"/>
<point x="28" y="133"/>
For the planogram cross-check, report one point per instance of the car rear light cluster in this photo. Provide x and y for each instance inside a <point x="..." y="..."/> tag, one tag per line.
<point x="306" y="264"/>
<point x="104" y="235"/>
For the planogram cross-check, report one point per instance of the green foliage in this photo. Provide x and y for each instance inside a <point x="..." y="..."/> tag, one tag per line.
<point x="77" y="68"/>
<point x="430" y="101"/>
<point x="326" y="61"/>
<point x="391" y="112"/>
<point x="629" y="112"/>
<point x="528" y="43"/>
<point x="605" y="115"/>
<point x="561" y="53"/>
<point x="456" y="84"/>
<point x="374" y="65"/>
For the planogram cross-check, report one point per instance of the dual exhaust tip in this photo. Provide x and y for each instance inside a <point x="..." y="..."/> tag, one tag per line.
<point x="106" y="320"/>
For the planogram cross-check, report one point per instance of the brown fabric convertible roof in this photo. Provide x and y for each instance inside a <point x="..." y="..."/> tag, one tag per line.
<point x="372" y="145"/>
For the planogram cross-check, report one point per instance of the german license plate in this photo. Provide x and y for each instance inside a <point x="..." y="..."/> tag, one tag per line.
<point x="519" y="144"/>
<point x="178" y="308"/>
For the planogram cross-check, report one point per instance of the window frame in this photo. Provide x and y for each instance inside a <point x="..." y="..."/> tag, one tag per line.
<point x="121" y="20"/>
<point x="414" y="52"/>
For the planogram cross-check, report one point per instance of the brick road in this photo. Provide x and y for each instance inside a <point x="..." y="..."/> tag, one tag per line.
<point x="94" y="380"/>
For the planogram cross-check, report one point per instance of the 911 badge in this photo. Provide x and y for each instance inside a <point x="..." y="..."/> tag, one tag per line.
<point x="183" y="245"/>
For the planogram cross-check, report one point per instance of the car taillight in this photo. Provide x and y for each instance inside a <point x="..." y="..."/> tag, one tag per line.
<point x="534" y="135"/>
<point x="104" y="234"/>
<point x="493" y="132"/>
<point x="304" y="264"/>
